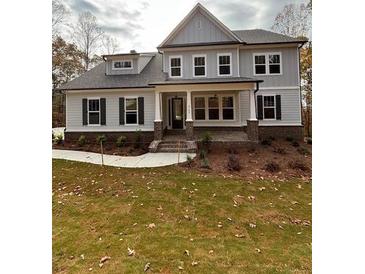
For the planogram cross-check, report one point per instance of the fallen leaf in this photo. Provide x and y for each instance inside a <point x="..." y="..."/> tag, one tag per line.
<point x="252" y="225"/>
<point x="146" y="267"/>
<point x="180" y="267"/>
<point x="239" y="236"/>
<point x="104" y="259"/>
<point x="258" y="250"/>
<point x="211" y="251"/>
<point x="131" y="252"/>
<point x="152" y="225"/>
<point x="194" y="263"/>
<point x="187" y="252"/>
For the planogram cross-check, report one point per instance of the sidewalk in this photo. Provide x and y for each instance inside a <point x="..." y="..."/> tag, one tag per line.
<point x="145" y="160"/>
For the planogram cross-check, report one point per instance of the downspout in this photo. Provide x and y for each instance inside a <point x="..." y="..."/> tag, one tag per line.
<point x="254" y="92"/>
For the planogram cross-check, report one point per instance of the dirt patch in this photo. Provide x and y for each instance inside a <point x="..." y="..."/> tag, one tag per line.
<point x="254" y="157"/>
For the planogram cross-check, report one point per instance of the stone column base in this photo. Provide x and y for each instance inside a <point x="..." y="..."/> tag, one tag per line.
<point x="158" y="132"/>
<point x="189" y="130"/>
<point x="253" y="130"/>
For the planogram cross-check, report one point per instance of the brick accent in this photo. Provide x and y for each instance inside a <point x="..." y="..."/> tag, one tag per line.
<point x="189" y="130"/>
<point x="253" y="130"/>
<point x="296" y="132"/>
<point x="147" y="136"/>
<point x="158" y="131"/>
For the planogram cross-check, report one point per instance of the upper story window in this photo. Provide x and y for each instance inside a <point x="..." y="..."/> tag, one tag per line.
<point x="175" y="66"/>
<point x="224" y="64"/>
<point x="125" y="64"/>
<point x="269" y="107"/>
<point x="267" y="63"/>
<point x="94" y="111"/>
<point x="199" y="65"/>
<point x="131" y="111"/>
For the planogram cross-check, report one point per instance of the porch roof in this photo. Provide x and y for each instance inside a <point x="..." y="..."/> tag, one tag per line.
<point x="207" y="81"/>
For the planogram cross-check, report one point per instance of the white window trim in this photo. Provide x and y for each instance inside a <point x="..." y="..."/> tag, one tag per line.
<point x="125" y="110"/>
<point x="220" y="106"/>
<point x="263" y="107"/>
<point x="205" y="108"/>
<point x="205" y="65"/>
<point x="88" y="111"/>
<point x="181" y="67"/>
<point x="128" y="60"/>
<point x="267" y="64"/>
<point x="233" y="107"/>
<point x="230" y="63"/>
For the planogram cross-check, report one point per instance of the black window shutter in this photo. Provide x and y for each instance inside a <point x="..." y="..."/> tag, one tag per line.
<point x="140" y="110"/>
<point x="278" y="107"/>
<point x="121" y="110"/>
<point x="102" y="111"/>
<point x="259" y="107"/>
<point x="84" y="111"/>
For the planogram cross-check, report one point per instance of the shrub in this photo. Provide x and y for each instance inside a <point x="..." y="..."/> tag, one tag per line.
<point x="251" y="149"/>
<point x="299" y="165"/>
<point x="266" y="142"/>
<point x="295" y="144"/>
<point x="280" y="150"/>
<point x="138" y="139"/>
<point x="205" y="163"/>
<point x="272" y="167"/>
<point x="303" y="151"/>
<point x="121" y="141"/>
<point x="232" y="150"/>
<point x="101" y="139"/>
<point x="309" y="141"/>
<point x="233" y="163"/>
<point x="58" y="139"/>
<point x="202" y="154"/>
<point x="289" y="139"/>
<point x="82" y="140"/>
<point x="189" y="160"/>
<point x="207" y="139"/>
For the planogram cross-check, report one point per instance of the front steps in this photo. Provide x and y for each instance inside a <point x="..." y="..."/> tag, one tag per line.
<point x="173" y="146"/>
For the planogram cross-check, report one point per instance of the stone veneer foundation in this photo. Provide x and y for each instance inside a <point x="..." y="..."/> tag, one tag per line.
<point x="158" y="130"/>
<point x="253" y="130"/>
<point x="189" y="130"/>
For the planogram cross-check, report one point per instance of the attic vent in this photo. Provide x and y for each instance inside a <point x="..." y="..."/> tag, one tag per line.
<point x="133" y="51"/>
<point x="199" y="24"/>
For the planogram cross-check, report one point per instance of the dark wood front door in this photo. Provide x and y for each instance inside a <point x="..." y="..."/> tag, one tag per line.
<point x="177" y="113"/>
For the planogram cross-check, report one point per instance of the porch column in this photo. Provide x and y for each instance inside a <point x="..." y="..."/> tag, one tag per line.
<point x="158" y="130"/>
<point x="189" y="117"/>
<point x="252" y="122"/>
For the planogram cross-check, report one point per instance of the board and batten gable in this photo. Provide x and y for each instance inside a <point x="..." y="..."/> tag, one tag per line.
<point x="199" y="29"/>
<point x="289" y="76"/>
<point x="74" y="110"/>
<point x="211" y="61"/>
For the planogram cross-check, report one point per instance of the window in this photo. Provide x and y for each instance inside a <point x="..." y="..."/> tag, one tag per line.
<point x="131" y="111"/>
<point x="119" y="65"/>
<point x="175" y="66"/>
<point x="94" y="111"/>
<point x="227" y="108"/>
<point x="199" y="106"/>
<point x="224" y="64"/>
<point x="213" y="108"/>
<point x="269" y="107"/>
<point x="199" y="65"/>
<point x="267" y="63"/>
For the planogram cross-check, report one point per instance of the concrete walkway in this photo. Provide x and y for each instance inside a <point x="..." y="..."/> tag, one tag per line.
<point x="145" y="160"/>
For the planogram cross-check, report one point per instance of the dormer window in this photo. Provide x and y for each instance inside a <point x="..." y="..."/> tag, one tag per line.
<point x="125" y="64"/>
<point x="175" y="66"/>
<point x="224" y="64"/>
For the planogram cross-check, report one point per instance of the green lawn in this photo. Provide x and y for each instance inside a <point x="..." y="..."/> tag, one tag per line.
<point x="101" y="211"/>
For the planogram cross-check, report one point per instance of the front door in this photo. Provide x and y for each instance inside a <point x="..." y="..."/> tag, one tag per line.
<point x="177" y="113"/>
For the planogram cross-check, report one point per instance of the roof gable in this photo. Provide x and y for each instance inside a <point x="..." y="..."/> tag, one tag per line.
<point x="200" y="26"/>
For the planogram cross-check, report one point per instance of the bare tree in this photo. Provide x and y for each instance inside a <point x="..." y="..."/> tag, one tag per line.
<point x="87" y="35"/>
<point x="59" y="14"/>
<point x="110" y="44"/>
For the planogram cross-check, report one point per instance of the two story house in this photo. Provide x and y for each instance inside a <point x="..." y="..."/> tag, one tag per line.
<point x="204" y="77"/>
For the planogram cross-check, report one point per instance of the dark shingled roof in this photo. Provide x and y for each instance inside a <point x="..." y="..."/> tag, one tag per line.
<point x="207" y="81"/>
<point x="96" y="78"/>
<point x="260" y="36"/>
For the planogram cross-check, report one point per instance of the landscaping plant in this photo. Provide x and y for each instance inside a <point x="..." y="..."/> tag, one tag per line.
<point x="101" y="139"/>
<point x="138" y="139"/>
<point x="272" y="167"/>
<point x="206" y="140"/>
<point x="233" y="163"/>
<point x="82" y="140"/>
<point x="266" y="142"/>
<point x="298" y="164"/>
<point x="58" y="139"/>
<point x="121" y="141"/>
<point x="205" y="163"/>
<point x="202" y="154"/>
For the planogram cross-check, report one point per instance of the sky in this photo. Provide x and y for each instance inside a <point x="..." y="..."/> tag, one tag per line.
<point x="143" y="24"/>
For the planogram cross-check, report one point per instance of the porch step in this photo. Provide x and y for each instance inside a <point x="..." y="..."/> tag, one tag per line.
<point x="173" y="146"/>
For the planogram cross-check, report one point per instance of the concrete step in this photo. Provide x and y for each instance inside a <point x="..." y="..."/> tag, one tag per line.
<point x="173" y="146"/>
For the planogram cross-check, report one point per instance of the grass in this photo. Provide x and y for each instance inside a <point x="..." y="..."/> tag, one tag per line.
<point x="101" y="211"/>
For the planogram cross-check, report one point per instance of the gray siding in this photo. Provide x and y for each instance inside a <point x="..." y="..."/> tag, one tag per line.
<point x="290" y="67"/>
<point x="142" y="62"/>
<point x="211" y="60"/>
<point x="110" y="71"/>
<point x="191" y="33"/>
<point x="244" y="97"/>
<point x="74" y="109"/>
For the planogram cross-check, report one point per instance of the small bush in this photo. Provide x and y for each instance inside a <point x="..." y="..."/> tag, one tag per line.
<point x="205" y="163"/>
<point x="233" y="163"/>
<point x="280" y="150"/>
<point x="251" y="149"/>
<point x="58" y="139"/>
<point x="138" y="139"/>
<point x="121" y="141"/>
<point x="189" y="160"/>
<point x="295" y="144"/>
<point x="299" y="165"/>
<point x="232" y="150"/>
<point x="309" y="141"/>
<point x="202" y="154"/>
<point x="289" y="139"/>
<point x="82" y="140"/>
<point x="101" y="139"/>
<point x="272" y="167"/>
<point x="266" y="142"/>
<point x="206" y="140"/>
<point x="303" y="151"/>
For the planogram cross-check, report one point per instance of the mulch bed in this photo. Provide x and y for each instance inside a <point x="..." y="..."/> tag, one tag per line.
<point x="109" y="148"/>
<point x="253" y="159"/>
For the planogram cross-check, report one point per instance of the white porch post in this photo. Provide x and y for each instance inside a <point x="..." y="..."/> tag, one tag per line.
<point x="252" y="106"/>
<point x="189" y="116"/>
<point x="157" y="106"/>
